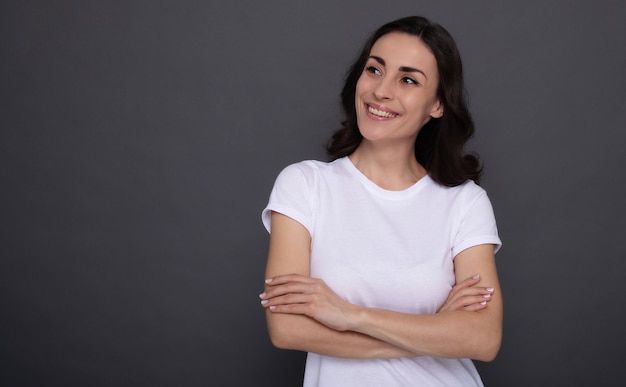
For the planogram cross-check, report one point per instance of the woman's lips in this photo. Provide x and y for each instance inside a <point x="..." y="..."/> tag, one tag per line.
<point x="379" y="112"/>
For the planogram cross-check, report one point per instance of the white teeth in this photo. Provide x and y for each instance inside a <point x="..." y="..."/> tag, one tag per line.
<point x="380" y="113"/>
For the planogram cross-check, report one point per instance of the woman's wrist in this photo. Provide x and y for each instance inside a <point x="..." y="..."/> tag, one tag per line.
<point x="356" y="315"/>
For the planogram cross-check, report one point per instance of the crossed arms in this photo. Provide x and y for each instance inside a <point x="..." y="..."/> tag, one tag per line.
<point x="303" y="313"/>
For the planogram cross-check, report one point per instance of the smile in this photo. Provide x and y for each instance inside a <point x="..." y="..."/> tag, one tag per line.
<point x="380" y="113"/>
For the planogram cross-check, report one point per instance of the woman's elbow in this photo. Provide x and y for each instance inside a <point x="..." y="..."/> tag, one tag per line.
<point x="489" y="347"/>
<point x="280" y="333"/>
<point x="279" y="339"/>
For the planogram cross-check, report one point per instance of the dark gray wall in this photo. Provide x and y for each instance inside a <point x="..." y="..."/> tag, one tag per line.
<point x="140" y="140"/>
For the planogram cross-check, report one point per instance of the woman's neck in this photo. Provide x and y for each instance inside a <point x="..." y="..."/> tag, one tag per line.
<point x="390" y="168"/>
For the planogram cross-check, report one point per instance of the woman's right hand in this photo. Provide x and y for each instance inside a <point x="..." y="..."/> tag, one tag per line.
<point x="466" y="296"/>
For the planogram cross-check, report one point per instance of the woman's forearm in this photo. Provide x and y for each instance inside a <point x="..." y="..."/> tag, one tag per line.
<point x="299" y="332"/>
<point x="452" y="334"/>
<point x="457" y="334"/>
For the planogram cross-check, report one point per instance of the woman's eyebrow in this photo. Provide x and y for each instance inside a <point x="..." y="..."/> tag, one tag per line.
<point x="405" y="69"/>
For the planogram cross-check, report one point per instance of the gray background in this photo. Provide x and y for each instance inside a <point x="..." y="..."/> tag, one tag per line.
<point x="140" y="141"/>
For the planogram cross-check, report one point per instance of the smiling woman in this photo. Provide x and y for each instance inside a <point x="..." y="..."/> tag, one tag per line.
<point x="395" y="96"/>
<point x="381" y="262"/>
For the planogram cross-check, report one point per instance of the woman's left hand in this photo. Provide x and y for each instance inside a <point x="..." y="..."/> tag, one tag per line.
<point x="466" y="295"/>
<point x="298" y="294"/>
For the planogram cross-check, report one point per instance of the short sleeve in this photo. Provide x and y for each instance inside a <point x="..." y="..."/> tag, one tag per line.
<point x="477" y="226"/>
<point x="291" y="196"/>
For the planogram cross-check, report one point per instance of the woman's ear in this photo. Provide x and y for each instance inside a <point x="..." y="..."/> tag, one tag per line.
<point x="437" y="111"/>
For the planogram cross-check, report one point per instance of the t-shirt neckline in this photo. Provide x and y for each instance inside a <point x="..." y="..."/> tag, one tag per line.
<point x="378" y="190"/>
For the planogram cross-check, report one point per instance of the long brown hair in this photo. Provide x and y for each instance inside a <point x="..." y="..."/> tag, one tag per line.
<point x="440" y="142"/>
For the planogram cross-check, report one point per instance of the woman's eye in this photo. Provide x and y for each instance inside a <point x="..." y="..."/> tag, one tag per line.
<point x="410" y="81"/>
<point x="372" y="70"/>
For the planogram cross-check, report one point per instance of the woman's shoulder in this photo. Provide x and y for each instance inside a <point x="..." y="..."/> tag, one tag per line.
<point x="306" y="173"/>
<point x="468" y="190"/>
<point x="308" y="165"/>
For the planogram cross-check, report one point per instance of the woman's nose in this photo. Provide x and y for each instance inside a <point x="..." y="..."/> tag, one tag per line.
<point x="383" y="90"/>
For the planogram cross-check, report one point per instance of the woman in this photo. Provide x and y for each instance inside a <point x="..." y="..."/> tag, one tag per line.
<point x="381" y="263"/>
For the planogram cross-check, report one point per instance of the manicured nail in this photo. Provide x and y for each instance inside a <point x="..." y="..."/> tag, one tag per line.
<point x="272" y="307"/>
<point x="264" y="302"/>
<point x="267" y="281"/>
<point x="487" y="295"/>
<point x="482" y="303"/>
<point x="262" y="295"/>
<point x="476" y="276"/>
<point x="490" y="290"/>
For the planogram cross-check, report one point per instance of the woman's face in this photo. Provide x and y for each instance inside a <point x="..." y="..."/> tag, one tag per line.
<point x="397" y="91"/>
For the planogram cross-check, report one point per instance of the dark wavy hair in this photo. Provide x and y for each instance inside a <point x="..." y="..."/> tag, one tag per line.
<point x="440" y="142"/>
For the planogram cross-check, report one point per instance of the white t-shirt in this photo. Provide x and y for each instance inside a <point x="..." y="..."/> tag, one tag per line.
<point x="385" y="249"/>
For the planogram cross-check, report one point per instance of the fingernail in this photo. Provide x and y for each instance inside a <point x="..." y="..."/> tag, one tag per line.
<point x="489" y="290"/>
<point x="267" y="281"/>
<point x="482" y="303"/>
<point x="487" y="295"/>
<point x="476" y="276"/>
<point x="264" y="302"/>
<point x="262" y="295"/>
<point x="272" y="307"/>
